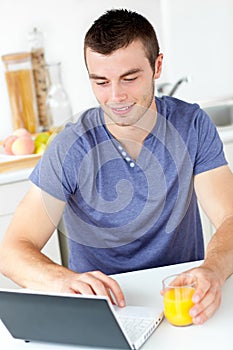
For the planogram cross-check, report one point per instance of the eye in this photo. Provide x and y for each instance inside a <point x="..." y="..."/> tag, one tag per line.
<point x="101" y="82"/>
<point x="130" y="79"/>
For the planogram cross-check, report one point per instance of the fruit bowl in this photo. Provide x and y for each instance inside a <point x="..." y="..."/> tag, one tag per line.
<point x="12" y="162"/>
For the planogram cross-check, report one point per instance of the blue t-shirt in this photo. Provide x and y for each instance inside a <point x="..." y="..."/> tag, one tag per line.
<point x="124" y="215"/>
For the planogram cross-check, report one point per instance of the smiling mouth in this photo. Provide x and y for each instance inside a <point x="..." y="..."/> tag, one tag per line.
<point x="122" y="110"/>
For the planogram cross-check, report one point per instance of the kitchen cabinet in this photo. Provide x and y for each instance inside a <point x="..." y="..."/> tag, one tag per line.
<point x="228" y="149"/>
<point x="208" y="228"/>
<point x="12" y="190"/>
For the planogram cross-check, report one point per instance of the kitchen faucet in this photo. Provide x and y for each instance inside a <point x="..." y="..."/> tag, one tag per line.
<point x="161" y="87"/>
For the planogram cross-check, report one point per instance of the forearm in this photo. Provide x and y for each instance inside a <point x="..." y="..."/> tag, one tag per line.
<point x="219" y="254"/>
<point x="27" y="266"/>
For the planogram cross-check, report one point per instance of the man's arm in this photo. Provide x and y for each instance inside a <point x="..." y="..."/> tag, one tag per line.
<point x="21" y="259"/>
<point x="214" y="189"/>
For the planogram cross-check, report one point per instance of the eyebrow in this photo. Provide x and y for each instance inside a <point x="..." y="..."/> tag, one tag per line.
<point x="129" y="72"/>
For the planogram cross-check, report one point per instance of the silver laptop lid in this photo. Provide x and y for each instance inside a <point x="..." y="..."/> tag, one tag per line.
<point x="64" y="319"/>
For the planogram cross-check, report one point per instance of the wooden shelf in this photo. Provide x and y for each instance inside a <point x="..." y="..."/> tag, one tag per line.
<point x="18" y="163"/>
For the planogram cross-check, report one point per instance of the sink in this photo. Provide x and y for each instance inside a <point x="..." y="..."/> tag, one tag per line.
<point x="221" y="113"/>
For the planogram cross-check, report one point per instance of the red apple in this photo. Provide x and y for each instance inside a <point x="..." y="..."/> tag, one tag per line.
<point x="23" y="145"/>
<point x="7" y="143"/>
<point x="21" y="132"/>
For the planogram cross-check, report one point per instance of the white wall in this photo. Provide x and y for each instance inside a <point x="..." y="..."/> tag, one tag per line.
<point x="199" y="43"/>
<point x="64" y="23"/>
<point x="196" y="37"/>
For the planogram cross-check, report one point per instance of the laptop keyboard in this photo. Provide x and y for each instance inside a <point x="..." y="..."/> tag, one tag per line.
<point x="136" y="327"/>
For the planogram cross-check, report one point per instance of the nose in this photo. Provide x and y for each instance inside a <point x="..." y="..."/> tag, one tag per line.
<point x="118" y="93"/>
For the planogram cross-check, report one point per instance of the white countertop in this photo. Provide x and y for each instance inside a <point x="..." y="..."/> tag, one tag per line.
<point x="15" y="176"/>
<point x="143" y="288"/>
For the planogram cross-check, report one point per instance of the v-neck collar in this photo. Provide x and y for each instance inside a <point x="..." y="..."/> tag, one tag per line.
<point x="120" y="148"/>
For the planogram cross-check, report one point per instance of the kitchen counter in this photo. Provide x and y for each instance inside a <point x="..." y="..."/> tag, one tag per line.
<point x="143" y="288"/>
<point x="10" y="163"/>
<point x="15" y="176"/>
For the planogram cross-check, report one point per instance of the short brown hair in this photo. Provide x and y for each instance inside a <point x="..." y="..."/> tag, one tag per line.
<point x="118" y="28"/>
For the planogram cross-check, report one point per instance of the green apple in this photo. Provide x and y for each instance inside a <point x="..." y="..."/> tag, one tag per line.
<point x="40" y="142"/>
<point x="40" y="148"/>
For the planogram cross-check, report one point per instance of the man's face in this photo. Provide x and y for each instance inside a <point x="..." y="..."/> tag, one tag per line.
<point x="123" y="83"/>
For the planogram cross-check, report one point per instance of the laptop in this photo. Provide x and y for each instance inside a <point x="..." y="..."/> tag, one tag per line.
<point x="76" y="319"/>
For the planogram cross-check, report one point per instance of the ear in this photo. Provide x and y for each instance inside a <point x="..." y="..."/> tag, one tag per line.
<point x="158" y="66"/>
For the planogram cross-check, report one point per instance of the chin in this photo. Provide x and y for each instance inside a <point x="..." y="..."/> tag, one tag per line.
<point x="123" y="124"/>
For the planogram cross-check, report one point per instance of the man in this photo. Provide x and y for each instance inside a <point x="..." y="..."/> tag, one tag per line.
<point x="127" y="177"/>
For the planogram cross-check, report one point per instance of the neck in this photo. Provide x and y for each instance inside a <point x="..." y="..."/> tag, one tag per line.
<point x="136" y="132"/>
<point x="132" y="136"/>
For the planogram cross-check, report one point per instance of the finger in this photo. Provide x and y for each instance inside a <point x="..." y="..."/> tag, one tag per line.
<point x="207" y="313"/>
<point x="85" y="282"/>
<point x="78" y="287"/>
<point x="111" y="298"/>
<point x="98" y="287"/>
<point x="113" y="286"/>
<point x="201" y="290"/>
<point x="206" y="308"/>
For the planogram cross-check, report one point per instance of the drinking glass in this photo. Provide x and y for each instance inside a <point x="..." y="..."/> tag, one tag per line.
<point x="178" y="290"/>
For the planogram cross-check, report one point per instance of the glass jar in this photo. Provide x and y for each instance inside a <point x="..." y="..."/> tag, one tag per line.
<point x="39" y="74"/>
<point x="21" y="91"/>
<point x="57" y="103"/>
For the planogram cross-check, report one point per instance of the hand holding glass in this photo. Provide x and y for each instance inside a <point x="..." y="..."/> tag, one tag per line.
<point x="177" y="296"/>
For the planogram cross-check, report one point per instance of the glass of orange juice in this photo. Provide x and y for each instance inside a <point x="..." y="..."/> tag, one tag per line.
<point x="178" y="290"/>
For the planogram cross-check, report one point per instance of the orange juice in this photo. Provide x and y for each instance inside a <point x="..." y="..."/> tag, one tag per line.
<point x="177" y="303"/>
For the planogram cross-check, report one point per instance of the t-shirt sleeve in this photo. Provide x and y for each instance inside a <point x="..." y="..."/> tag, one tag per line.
<point x="210" y="152"/>
<point x="51" y="173"/>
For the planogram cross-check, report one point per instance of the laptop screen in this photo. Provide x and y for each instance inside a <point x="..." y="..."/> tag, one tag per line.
<point x="64" y="319"/>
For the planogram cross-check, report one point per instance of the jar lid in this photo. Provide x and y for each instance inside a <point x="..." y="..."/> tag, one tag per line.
<point x="16" y="57"/>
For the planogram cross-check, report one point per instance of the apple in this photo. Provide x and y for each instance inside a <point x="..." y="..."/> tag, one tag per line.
<point x="40" y="142"/>
<point x="21" y="132"/>
<point x="7" y="143"/>
<point x="23" y="145"/>
<point x="21" y="142"/>
<point x="42" y="138"/>
<point x="40" y="148"/>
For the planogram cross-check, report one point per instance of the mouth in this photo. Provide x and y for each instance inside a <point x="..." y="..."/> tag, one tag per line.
<point x="122" y="110"/>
